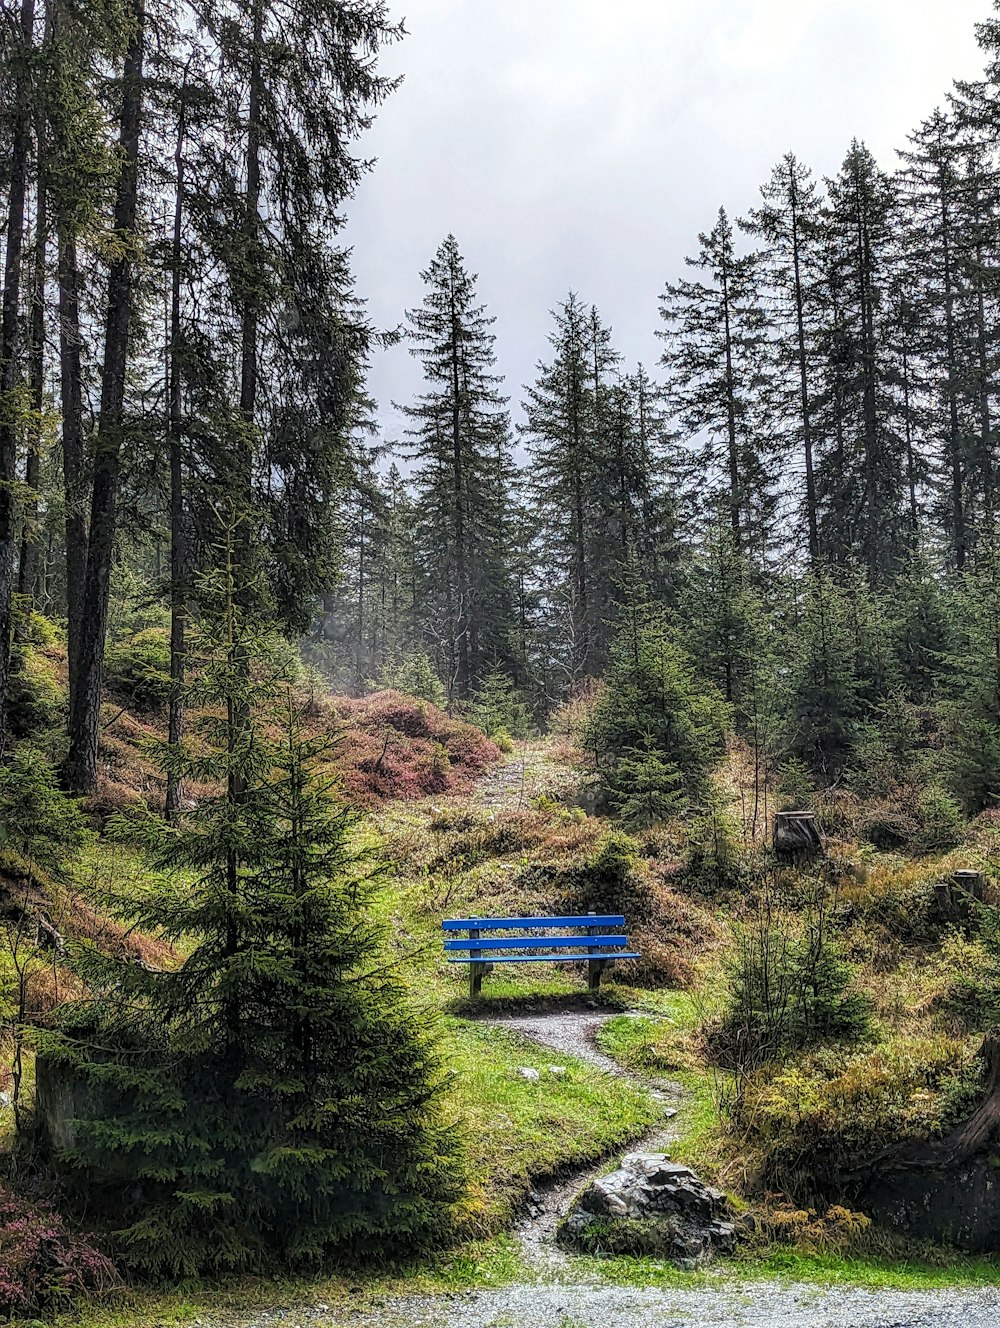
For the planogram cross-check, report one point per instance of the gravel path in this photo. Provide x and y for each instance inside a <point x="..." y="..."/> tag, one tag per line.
<point x="751" y="1305"/>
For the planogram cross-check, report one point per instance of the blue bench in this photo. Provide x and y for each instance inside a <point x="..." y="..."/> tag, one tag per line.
<point x="599" y="940"/>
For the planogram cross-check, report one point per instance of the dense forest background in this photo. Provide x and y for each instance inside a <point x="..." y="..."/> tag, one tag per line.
<point x="802" y="492"/>
<point x="760" y="575"/>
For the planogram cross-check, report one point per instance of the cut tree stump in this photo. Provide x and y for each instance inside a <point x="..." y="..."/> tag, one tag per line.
<point x="796" y="836"/>
<point x="954" y="897"/>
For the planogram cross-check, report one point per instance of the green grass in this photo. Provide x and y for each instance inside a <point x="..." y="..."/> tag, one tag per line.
<point x="518" y="1131"/>
<point x="791" y="1266"/>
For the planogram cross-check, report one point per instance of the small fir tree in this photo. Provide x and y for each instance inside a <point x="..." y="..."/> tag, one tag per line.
<point x="656" y="723"/>
<point x="273" y="1101"/>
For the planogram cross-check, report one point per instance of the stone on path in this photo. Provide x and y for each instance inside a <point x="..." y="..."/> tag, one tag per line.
<point x="651" y="1206"/>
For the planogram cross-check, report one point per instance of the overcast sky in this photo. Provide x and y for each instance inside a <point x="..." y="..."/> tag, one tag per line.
<point x="584" y="143"/>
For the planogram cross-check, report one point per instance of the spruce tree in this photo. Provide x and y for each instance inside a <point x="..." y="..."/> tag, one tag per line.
<point x="861" y="484"/>
<point x="789" y="225"/>
<point x="656" y="731"/>
<point x="716" y="331"/>
<point x="460" y="442"/>
<point x="273" y="1101"/>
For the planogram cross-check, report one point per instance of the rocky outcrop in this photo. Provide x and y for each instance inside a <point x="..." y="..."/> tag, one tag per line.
<point x="650" y="1206"/>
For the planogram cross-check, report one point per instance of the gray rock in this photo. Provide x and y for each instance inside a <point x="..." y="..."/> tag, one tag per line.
<point x="527" y="1073"/>
<point x="651" y="1206"/>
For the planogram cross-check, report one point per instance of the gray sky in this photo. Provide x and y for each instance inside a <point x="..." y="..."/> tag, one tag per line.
<point x="584" y="143"/>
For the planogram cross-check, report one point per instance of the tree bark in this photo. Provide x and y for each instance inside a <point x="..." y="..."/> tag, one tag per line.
<point x="28" y="573"/>
<point x="178" y="540"/>
<point x="805" y="397"/>
<point x="9" y="310"/>
<point x="73" y="459"/>
<point x="86" y="712"/>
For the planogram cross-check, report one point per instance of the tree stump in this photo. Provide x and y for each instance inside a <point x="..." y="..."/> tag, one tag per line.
<point x="796" y="836"/>
<point x="969" y="883"/>
<point x="954" y="898"/>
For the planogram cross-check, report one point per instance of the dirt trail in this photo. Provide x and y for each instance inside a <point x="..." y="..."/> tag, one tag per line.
<point x="574" y="1033"/>
<point x="529" y="771"/>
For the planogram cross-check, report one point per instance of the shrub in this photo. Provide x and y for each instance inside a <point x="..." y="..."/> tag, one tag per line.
<point x="42" y="632"/>
<point x="392" y="746"/>
<point x="714" y="861"/>
<point x="838" y="1230"/>
<point x="37" y="819"/>
<point x="137" y="670"/>
<point x="414" y="675"/>
<point x="971" y="757"/>
<point x="826" y="1114"/>
<point x="889" y="827"/>
<point x="940" y="820"/>
<point x="36" y="701"/>
<point x="796" y="784"/>
<point x="44" y="1267"/>
<point x="789" y="986"/>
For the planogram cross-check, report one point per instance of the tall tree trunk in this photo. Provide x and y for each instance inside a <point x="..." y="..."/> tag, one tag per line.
<point x="873" y="516"/>
<point x="239" y="556"/>
<point x="9" y="310"/>
<point x="73" y="459"/>
<point x="85" y="719"/>
<point x="959" y="534"/>
<point x="458" y="488"/>
<point x="178" y="534"/>
<point x="805" y="398"/>
<point x="28" y="574"/>
<point x="734" y="456"/>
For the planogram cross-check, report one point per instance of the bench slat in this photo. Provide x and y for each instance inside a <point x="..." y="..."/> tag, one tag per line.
<point x="514" y="924"/>
<point x="540" y="959"/>
<point x="535" y="942"/>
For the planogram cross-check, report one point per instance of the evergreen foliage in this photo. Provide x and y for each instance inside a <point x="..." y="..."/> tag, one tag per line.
<point x="656" y="732"/>
<point x="273" y="1101"/>
<point x="497" y="708"/>
<point x="789" y="985"/>
<point x="38" y="822"/>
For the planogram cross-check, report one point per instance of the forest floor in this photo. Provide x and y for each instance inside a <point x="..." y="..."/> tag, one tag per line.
<point x="562" y="1291"/>
<point x="534" y="1144"/>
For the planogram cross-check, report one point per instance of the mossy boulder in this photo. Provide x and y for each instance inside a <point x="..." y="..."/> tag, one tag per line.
<point x="651" y="1206"/>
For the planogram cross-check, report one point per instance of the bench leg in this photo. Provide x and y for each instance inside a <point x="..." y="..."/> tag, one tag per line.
<point x="476" y="972"/>
<point x="595" y="967"/>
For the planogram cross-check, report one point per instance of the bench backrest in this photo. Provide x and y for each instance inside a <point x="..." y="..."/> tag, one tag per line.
<point x="583" y="929"/>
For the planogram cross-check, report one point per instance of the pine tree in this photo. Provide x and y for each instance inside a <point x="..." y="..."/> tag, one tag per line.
<point x="823" y="688"/>
<point x="273" y="1101"/>
<point x="577" y="444"/>
<point x="789" y="223"/>
<point x="716" y="330"/>
<point x="861" y="477"/>
<point x="460" y="441"/>
<point x="656" y="731"/>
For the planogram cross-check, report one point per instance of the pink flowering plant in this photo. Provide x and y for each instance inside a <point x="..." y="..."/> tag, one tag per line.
<point x="43" y="1265"/>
